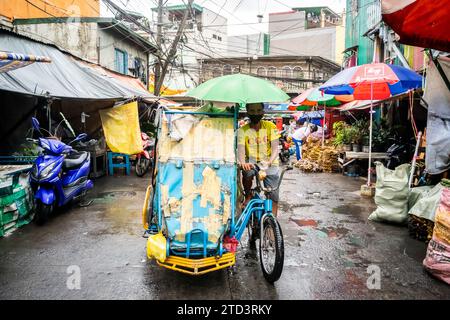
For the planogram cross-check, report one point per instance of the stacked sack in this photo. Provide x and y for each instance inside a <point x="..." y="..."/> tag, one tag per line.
<point x="316" y="158"/>
<point x="437" y="260"/>
<point x="16" y="205"/>
<point x="422" y="204"/>
<point x="308" y="166"/>
<point x="329" y="159"/>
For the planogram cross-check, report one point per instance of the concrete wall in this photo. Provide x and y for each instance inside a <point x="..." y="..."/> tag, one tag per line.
<point x="286" y="23"/>
<point x="289" y="35"/>
<point x="315" y="42"/>
<point x="80" y="39"/>
<point x="110" y="40"/>
<point x="249" y="45"/>
<point x="86" y="41"/>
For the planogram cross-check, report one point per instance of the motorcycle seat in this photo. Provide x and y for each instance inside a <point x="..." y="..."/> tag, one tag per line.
<point x="75" y="159"/>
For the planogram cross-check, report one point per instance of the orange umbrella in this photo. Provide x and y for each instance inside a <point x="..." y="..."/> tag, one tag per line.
<point x="344" y="98"/>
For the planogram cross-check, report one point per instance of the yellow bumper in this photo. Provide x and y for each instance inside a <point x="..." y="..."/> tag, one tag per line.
<point x="198" y="266"/>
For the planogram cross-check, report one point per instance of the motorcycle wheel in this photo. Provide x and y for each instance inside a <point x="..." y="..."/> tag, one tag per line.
<point x="271" y="249"/>
<point x="43" y="212"/>
<point x="142" y="166"/>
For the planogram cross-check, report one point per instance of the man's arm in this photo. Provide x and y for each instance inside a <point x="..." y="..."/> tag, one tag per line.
<point x="274" y="151"/>
<point x="241" y="151"/>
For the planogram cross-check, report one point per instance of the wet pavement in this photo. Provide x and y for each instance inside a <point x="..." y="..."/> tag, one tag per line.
<point x="331" y="250"/>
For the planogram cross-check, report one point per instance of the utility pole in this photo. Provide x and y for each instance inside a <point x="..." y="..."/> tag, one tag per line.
<point x="158" y="65"/>
<point x="173" y="48"/>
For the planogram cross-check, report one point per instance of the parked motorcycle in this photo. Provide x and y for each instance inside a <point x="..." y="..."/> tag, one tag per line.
<point x="59" y="175"/>
<point x="399" y="152"/>
<point x="145" y="158"/>
<point x="284" y="147"/>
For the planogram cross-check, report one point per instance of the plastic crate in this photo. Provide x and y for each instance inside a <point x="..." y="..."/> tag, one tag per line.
<point x="6" y="186"/>
<point x="8" y="217"/>
<point x="17" y="193"/>
<point x="23" y="206"/>
<point x="8" y="228"/>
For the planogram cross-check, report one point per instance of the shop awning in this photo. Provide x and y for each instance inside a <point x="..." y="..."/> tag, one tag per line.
<point x="420" y="23"/>
<point x="64" y="77"/>
<point x="365" y="104"/>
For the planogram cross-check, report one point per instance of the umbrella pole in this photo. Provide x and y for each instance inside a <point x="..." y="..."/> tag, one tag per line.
<point x="324" y="122"/>
<point x="370" y="135"/>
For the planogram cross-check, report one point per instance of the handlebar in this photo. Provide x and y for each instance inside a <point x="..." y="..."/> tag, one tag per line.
<point x="32" y="140"/>
<point x="266" y="190"/>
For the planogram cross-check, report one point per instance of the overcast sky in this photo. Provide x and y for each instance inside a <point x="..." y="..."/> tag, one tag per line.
<point x="240" y="11"/>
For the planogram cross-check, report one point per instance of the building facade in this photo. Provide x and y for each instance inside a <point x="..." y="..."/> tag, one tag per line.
<point x="368" y="39"/>
<point x="315" y="31"/>
<point x="205" y="36"/>
<point x="250" y="44"/>
<point x="293" y="74"/>
<point x="104" y="41"/>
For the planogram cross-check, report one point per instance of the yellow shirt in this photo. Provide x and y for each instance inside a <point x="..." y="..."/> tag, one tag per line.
<point x="258" y="143"/>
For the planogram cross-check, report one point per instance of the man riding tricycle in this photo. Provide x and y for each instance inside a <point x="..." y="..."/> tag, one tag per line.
<point x="193" y="213"/>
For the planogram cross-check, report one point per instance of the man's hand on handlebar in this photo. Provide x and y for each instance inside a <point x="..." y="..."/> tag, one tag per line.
<point x="247" y="166"/>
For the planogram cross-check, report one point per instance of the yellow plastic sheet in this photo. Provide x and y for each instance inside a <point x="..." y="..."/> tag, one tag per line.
<point x="121" y="128"/>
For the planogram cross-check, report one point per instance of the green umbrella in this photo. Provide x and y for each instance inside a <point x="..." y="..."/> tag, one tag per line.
<point x="238" y="88"/>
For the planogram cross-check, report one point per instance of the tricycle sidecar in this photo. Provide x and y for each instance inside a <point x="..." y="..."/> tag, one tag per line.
<point x="190" y="212"/>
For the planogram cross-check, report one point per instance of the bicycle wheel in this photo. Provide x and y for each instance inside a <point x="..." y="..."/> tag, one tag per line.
<point x="271" y="249"/>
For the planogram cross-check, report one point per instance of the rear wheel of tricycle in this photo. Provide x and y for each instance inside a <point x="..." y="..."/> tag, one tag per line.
<point x="271" y="249"/>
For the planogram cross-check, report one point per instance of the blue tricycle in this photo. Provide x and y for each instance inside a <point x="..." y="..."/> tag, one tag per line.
<point x="191" y="212"/>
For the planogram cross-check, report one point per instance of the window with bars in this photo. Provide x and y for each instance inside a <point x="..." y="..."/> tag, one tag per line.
<point x="298" y="73"/>
<point x="272" y="72"/>
<point x="121" y="61"/>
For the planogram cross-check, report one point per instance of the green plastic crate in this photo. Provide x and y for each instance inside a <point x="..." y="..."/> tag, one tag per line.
<point x="8" y="217"/>
<point x="10" y="199"/>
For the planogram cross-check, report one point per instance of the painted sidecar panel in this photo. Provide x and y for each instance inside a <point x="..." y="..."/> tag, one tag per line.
<point x="196" y="180"/>
<point x="195" y="197"/>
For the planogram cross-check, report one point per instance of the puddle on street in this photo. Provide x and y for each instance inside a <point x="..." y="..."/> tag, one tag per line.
<point x="116" y="194"/>
<point x="347" y="209"/>
<point x="305" y="222"/>
<point x="335" y="232"/>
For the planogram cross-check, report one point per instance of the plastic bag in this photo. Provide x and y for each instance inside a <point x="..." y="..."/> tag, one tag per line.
<point x="121" y="128"/>
<point x="426" y="206"/>
<point x="391" y="194"/>
<point x="157" y="247"/>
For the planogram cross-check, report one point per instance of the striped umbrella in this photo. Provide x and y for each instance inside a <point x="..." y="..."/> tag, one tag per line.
<point x="314" y="97"/>
<point x="373" y="81"/>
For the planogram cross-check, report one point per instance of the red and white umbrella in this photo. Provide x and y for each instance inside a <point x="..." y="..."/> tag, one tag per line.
<point x="421" y="23"/>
